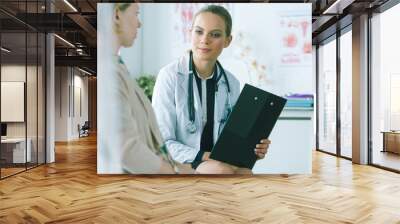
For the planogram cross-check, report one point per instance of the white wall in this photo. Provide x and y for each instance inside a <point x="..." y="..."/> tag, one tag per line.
<point x="80" y="83"/>
<point x="294" y="156"/>
<point x="68" y="82"/>
<point x="61" y="103"/>
<point x="12" y="73"/>
<point x="33" y="126"/>
<point x="13" y="101"/>
<point x="257" y="32"/>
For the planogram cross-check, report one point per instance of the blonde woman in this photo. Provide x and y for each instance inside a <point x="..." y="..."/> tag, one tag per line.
<point x="194" y="95"/>
<point x="129" y="134"/>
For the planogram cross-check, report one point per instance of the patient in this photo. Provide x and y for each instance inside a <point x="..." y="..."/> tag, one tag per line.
<point x="130" y="138"/>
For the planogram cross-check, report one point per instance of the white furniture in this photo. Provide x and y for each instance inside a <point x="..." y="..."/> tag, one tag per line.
<point x="292" y="142"/>
<point x="18" y="149"/>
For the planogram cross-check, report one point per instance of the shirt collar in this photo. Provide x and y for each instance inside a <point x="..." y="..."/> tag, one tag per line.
<point x="209" y="77"/>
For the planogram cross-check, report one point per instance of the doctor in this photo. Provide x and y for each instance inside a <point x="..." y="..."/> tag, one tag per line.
<point x="194" y="95"/>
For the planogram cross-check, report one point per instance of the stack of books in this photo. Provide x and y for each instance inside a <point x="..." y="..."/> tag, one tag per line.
<point x="300" y="100"/>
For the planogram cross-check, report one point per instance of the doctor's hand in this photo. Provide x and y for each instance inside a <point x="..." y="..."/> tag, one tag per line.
<point x="262" y="148"/>
<point x="206" y="156"/>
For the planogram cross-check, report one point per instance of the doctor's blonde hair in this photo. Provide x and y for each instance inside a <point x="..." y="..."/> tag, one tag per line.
<point x="219" y="11"/>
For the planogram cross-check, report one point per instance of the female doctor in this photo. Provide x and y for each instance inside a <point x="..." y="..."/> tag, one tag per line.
<point x="194" y="95"/>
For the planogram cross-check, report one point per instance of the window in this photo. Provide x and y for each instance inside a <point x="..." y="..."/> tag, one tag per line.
<point x="327" y="97"/>
<point x="385" y="87"/>
<point x="346" y="94"/>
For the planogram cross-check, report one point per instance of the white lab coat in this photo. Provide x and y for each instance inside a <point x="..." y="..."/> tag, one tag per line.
<point x="170" y="103"/>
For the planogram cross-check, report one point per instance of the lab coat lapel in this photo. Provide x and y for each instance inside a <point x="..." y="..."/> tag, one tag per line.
<point x="183" y="79"/>
<point x="220" y="99"/>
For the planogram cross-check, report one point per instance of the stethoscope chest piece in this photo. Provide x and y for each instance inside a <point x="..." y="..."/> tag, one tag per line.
<point x="191" y="127"/>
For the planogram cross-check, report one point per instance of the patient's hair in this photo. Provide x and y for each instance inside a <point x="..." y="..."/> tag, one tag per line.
<point x="221" y="12"/>
<point x="121" y="7"/>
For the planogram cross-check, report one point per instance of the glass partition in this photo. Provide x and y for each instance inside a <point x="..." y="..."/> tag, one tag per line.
<point x="14" y="152"/>
<point x="22" y="89"/>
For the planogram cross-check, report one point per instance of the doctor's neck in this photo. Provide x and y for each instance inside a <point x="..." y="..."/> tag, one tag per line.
<point x="204" y="68"/>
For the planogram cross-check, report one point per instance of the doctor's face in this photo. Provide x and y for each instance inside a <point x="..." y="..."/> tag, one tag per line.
<point x="208" y="36"/>
<point x="128" y="24"/>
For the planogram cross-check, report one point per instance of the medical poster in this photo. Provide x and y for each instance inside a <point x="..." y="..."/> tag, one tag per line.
<point x="295" y="40"/>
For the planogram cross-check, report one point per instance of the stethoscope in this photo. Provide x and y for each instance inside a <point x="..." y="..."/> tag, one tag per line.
<point x="192" y="72"/>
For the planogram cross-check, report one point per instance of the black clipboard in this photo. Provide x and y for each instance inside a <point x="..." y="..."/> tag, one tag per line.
<point x="252" y="119"/>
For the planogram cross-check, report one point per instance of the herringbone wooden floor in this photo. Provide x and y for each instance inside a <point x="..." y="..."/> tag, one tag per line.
<point x="70" y="191"/>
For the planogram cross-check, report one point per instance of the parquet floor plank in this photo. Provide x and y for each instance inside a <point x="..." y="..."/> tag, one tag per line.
<point x="70" y="191"/>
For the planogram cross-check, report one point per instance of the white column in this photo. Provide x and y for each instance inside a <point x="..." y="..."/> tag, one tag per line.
<point x="360" y="90"/>
<point x="50" y="92"/>
<point x="50" y="110"/>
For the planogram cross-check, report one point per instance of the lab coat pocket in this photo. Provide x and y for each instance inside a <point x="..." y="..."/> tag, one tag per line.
<point x="182" y="112"/>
